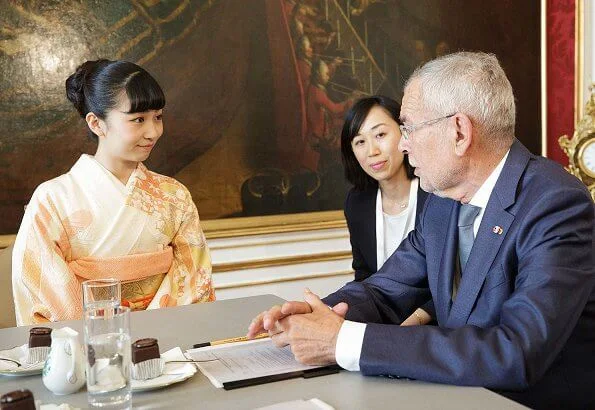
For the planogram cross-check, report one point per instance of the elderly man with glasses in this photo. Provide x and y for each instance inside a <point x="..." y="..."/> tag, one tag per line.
<point x="504" y="248"/>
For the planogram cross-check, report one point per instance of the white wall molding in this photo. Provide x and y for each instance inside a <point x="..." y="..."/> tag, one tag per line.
<point x="282" y="264"/>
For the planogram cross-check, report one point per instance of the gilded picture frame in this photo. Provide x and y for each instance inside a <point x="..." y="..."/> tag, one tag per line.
<point x="379" y="42"/>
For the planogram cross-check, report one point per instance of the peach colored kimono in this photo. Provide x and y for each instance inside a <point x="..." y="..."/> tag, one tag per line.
<point x="86" y="224"/>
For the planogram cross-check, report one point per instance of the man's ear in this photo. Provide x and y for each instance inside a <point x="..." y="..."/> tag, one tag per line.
<point x="96" y="124"/>
<point x="464" y="130"/>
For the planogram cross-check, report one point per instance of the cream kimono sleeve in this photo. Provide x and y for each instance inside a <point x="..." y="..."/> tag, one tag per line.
<point x="189" y="278"/>
<point x="44" y="288"/>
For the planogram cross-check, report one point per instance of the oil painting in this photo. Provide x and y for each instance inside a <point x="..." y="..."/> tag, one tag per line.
<point x="256" y="90"/>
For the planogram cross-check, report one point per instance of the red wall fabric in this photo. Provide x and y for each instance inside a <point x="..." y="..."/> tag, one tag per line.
<point x="560" y="65"/>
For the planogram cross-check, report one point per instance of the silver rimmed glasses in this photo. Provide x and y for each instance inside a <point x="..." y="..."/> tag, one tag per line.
<point x="406" y="130"/>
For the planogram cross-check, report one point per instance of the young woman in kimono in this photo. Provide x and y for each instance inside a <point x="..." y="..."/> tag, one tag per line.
<point x="385" y="202"/>
<point x="109" y="216"/>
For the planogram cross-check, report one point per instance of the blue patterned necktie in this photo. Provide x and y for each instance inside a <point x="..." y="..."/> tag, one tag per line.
<point x="467" y="215"/>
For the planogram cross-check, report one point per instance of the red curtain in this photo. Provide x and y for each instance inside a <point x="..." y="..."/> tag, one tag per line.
<point x="560" y="68"/>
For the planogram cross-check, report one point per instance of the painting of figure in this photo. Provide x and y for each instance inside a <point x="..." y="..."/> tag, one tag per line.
<point x="256" y="90"/>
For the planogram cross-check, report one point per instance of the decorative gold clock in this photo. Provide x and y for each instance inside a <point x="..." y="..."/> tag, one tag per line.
<point x="581" y="148"/>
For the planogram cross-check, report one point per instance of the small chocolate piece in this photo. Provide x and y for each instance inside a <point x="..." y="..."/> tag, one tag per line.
<point x="145" y="349"/>
<point x="40" y="337"/>
<point x="17" y="400"/>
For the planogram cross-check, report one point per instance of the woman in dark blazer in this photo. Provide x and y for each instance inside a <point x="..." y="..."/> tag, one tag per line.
<point x="385" y="202"/>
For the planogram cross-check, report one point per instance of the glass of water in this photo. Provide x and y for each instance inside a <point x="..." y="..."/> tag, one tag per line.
<point x="108" y="357"/>
<point x="99" y="291"/>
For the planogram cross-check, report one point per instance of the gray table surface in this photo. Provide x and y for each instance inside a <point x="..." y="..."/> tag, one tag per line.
<point x="185" y="325"/>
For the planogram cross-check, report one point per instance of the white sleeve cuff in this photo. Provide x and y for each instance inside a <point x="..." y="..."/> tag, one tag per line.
<point x="349" y="345"/>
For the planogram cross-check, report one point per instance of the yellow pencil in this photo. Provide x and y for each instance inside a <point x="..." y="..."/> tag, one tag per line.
<point x="230" y="340"/>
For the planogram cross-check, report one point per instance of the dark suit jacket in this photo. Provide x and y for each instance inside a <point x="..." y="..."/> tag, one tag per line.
<point x="360" y="213"/>
<point x="524" y="317"/>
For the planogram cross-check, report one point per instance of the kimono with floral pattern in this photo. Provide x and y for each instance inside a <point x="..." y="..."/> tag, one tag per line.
<point x="86" y="224"/>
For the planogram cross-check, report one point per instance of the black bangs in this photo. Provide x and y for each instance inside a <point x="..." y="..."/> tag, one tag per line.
<point x="359" y="116"/>
<point x="143" y="92"/>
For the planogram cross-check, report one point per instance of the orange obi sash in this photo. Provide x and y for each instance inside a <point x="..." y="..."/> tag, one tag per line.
<point x="141" y="274"/>
<point x="124" y="268"/>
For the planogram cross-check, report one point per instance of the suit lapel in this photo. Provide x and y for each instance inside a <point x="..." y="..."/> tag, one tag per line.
<point x="484" y="251"/>
<point x="492" y="231"/>
<point x="446" y="235"/>
<point x="421" y="200"/>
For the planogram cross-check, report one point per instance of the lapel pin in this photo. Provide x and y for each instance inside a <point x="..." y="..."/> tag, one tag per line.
<point x="498" y="230"/>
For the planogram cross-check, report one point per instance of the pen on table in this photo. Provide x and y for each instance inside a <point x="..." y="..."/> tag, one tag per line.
<point x="231" y="340"/>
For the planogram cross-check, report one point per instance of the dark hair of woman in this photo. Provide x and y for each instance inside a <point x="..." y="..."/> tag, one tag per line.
<point x="97" y="86"/>
<point x="354" y="119"/>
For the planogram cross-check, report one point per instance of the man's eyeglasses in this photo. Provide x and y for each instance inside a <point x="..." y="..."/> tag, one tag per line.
<point x="406" y="130"/>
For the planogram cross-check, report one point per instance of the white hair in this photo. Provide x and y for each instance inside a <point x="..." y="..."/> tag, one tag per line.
<point x="471" y="83"/>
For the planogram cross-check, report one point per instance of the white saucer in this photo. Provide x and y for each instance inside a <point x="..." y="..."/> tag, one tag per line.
<point x="172" y="372"/>
<point x="19" y="354"/>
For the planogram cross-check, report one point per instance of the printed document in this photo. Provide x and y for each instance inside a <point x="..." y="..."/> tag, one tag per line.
<point x="244" y="360"/>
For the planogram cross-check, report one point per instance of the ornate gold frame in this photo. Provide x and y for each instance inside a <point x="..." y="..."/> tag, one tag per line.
<point x="584" y="113"/>
<point x="257" y="225"/>
<point x="583" y="135"/>
<point x="6" y="240"/>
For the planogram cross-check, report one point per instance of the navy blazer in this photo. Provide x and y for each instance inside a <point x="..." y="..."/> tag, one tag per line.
<point x="360" y="214"/>
<point x="524" y="316"/>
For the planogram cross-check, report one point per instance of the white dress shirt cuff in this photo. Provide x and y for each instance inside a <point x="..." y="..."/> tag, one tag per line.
<point x="349" y="345"/>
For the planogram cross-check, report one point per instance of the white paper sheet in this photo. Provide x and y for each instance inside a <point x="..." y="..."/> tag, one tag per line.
<point x="244" y="360"/>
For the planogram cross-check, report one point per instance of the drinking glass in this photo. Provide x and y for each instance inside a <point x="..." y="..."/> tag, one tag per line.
<point x="108" y="356"/>
<point x="100" y="291"/>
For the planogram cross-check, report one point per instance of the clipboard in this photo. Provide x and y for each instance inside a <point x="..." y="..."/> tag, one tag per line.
<point x="306" y="374"/>
<point x="231" y="365"/>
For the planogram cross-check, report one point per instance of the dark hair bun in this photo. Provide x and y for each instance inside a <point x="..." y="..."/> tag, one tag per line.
<point x="75" y="84"/>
